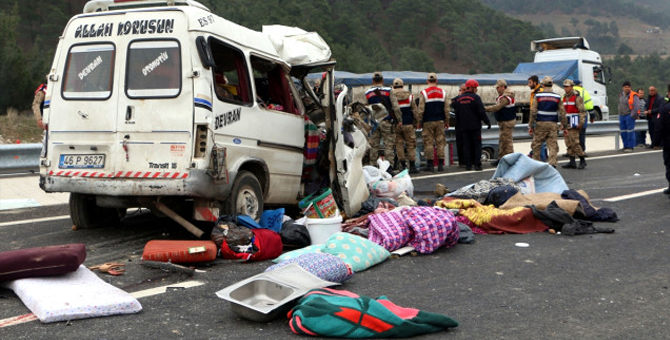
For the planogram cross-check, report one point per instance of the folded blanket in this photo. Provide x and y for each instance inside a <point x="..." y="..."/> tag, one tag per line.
<point x="424" y="228"/>
<point x="342" y="314"/>
<point x="518" y="166"/>
<point x="541" y="201"/>
<point x="494" y="220"/>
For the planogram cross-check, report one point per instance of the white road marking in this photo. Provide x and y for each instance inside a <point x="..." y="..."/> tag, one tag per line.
<point x="160" y="290"/>
<point x="635" y="195"/>
<point x="35" y="220"/>
<point x="16" y="320"/>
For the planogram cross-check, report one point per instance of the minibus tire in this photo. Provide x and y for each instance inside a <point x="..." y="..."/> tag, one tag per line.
<point x="246" y="196"/>
<point x="86" y="214"/>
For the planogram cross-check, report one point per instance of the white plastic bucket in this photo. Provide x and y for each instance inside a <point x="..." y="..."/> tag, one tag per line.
<point x="320" y="229"/>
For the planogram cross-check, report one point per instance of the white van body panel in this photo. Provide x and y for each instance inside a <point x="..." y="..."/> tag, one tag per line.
<point x="151" y="129"/>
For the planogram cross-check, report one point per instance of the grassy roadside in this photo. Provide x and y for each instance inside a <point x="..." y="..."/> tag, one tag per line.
<point x="19" y="126"/>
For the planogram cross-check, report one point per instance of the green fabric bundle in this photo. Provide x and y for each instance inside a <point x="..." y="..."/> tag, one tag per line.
<point x="342" y="314"/>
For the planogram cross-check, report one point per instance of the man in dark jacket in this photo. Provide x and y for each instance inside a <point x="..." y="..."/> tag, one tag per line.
<point x="661" y="135"/>
<point x="654" y="101"/>
<point x="469" y="111"/>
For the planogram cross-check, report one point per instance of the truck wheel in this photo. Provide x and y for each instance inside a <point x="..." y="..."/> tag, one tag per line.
<point x="85" y="214"/>
<point x="487" y="154"/>
<point x="246" y="196"/>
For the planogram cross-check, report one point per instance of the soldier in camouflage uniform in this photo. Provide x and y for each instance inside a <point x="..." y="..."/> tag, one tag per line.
<point x="546" y="112"/>
<point x="406" y="135"/>
<point x="434" y="117"/>
<point x="505" y="114"/>
<point x="38" y="104"/>
<point x="573" y="104"/>
<point x="385" y="130"/>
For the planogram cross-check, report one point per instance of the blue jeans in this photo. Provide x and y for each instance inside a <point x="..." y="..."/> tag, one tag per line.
<point x="627" y="128"/>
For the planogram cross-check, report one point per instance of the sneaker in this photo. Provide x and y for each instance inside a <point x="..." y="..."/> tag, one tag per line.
<point x="628" y="150"/>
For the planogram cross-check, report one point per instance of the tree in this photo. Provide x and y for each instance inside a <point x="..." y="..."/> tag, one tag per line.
<point x="574" y="21"/>
<point x="625" y="49"/>
<point x="16" y="87"/>
<point x="412" y="59"/>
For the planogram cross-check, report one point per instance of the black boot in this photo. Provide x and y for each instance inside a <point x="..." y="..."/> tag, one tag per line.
<point x="412" y="168"/>
<point x="440" y="165"/>
<point x="582" y="163"/>
<point x="666" y="191"/>
<point x="429" y="166"/>
<point x="571" y="165"/>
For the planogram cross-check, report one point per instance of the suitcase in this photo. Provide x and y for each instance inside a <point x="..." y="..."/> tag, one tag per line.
<point x="179" y="251"/>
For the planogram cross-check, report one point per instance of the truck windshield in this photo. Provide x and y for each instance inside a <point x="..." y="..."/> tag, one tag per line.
<point x="88" y="72"/>
<point x="154" y="69"/>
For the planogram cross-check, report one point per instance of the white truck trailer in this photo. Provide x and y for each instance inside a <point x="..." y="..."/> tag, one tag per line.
<point x="559" y="58"/>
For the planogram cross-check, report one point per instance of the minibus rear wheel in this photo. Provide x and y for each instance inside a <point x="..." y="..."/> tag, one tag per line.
<point x="246" y="196"/>
<point x="86" y="214"/>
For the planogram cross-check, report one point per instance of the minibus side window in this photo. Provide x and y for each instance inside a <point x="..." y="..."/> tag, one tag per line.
<point x="153" y="69"/>
<point x="272" y="87"/>
<point x="231" y="79"/>
<point x="89" y="72"/>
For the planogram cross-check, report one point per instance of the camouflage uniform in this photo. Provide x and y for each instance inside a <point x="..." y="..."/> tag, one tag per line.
<point x="572" y="138"/>
<point x="38" y="104"/>
<point x="433" y="126"/>
<point x="546" y="130"/>
<point x="406" y="135"/>
<point x="385" y="131"/>
<point x="504" y="109"/>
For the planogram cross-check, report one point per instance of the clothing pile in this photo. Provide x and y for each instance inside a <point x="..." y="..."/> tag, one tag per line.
<point x="526" y="196"/>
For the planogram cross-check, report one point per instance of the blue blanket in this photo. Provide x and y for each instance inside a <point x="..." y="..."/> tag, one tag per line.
<point x="518" y="166"/>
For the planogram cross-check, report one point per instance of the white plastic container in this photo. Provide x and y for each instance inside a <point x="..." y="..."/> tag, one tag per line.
<point x="320" y="229"/>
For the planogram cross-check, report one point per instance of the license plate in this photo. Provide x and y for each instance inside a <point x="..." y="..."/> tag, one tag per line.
<point x="92" y="161"/>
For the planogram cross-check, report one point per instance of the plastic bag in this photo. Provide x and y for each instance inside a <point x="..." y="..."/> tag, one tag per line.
<point x="272" y="219"/>
<point x="393" y="188"/>
<point x="294" y="235"/>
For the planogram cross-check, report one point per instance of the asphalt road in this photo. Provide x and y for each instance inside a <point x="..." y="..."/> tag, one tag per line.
<point x="601" y="286"/>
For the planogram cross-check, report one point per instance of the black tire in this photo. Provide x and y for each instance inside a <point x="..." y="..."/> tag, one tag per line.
<point x="599" y="115"/>
<point x="487" y="154"/>
<point x="85" y="214"/>
<point x="246" y="196"/>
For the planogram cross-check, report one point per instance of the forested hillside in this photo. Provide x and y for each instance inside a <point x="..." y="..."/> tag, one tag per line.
<point x="457" y="36"/>
<point x="623" y="31"/>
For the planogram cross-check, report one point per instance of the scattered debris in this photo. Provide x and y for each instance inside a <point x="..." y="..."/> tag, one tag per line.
<point x="169" y="267"/>
<point x="111" y="268"/>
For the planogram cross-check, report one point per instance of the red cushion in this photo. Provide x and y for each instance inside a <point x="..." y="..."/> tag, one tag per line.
<point x="42" y="261"/>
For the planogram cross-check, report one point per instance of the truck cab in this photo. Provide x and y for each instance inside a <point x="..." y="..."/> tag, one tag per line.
<point x="164" y="104"/>
<point x="589" y="66"/>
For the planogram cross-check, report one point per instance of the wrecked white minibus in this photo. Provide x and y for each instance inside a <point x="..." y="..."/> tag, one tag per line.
<point x="163" y="104"/>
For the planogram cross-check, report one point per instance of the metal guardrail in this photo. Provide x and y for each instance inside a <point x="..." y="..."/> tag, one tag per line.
<point x="521" y="130"/>
<point x="20" y="157"/>
<point x="26" y="157"/>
